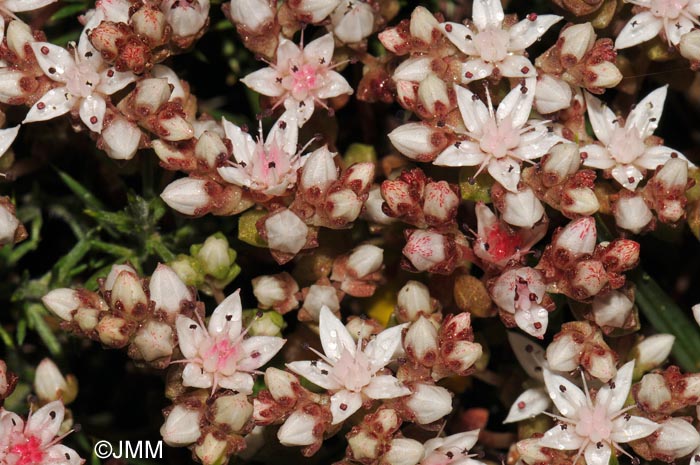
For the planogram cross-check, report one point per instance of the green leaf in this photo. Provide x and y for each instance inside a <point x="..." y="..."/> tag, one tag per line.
<point x="21" y="331"/>
<point x="62" y="269"/>
<point x="6" y="338"/>
<point x="82" y="192"/>
<point x="69" y="11"/>
<point x="35" y="318"/>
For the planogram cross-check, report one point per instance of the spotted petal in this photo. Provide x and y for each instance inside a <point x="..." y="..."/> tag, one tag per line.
<point x="517" y="66"/>
<point x="675" y="29"/>
<point x="334" y="336"/>
<point x="194" y="376"/>
<point x="227" y="317"/>
<point x="614" y="394"/>
<point x="646" y="115"/>
<point x="603" y="120"/>
<point x="533" y="320"/>
<point x="640" y="28"/>
<point x="597" y="454"/>
<point x="529" y="354"/>
<point x="287" y="53"/>
<point x="518" y="103"/>
<point x="385" y="387"/>
<point x="597" y="156"/>
<point x="92" y="112"/>
<point x="112" y="80"/>
<point x="461" y="36"/>
<point x="530" y="403"/>
<point x="567" y="397"/>
<point x="58" y="454"/>
<point x="52" y="104"/>
<point x="475" y="69"/>
<point x="380" y="350"/>
<point x="487" y="14"/>
<point x="45" y="422"/>
<point x="343" y="404"/>
<point x="264" y="81"/>
<point x="320" y="51"/>
<point x="189" y="335"/>
<point x="655" y="156"/>
<point x="474" y="112"/>
<point x="628" y="176"/>
<point x="317" y="372"/>
<point x="628" y="428"/>
<point x="561" y="437"/>
<point x="56" y="62"/>
<point x="506" y="171"/>
<point x="467" y="154"/>
<point x="526" y="32"/>
<point x="259" y="350"/>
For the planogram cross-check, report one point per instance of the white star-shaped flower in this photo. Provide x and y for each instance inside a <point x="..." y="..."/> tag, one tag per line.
<point x="220" y="355"/>
<point x="594" y="427"/>
<point x="674" y="17"/>
<point x="622" y="148"/>
<point x="499" y="140"/>
<point x="301" y="77"/>
<point x="85" y="82"/>
<point x="351" y="373"/>
<point x="490" y="47"/>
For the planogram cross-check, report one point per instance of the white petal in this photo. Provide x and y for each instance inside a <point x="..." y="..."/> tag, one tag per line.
<point x="532" y="401"/>
<point x="235" y="175"/>
<point x="624" y="173"/>
<point x="458" y="36"/>
<point x="475" y="69"/>
<point x="343" y="404"/>
<point x="286" y="52"/>
<point x="314" y="372"/>
<point x="517" y="66"/>
<point x="413" y="69"/>
<point x="629" y="428"/>
<point x="189" y="335"/>
<point x="112" y="80"/>
<point x="18" y="6"/>
<point x="567" y="397"/>
<point x="227" y="317"/>
<point x="614" y="398"/>
<point x="92" y="112"/>
<point x="57" y="63"/>
<point x="640" y="28"/>
<point x="474" y="112"/>
<point x="534" y="144"/>
<point x="646" y="115"/>
<point x="380" y="350"/>
<point x="602" y="118"/>
<point x="526" y="32"/>
<point x="265" y="347"/>
<point x="239" y="382"/>
<point x="59" y="454"/>
<point x="561" y="438"/>
<point x="529" y="354"/>
<point x="334" y="336"/>
<point x="487" y="13"/>
<point x="467" y="154"/>
<point x="461" y="441"/>
<point x="506" y="171"/>
<point x="46" y="421"/>
<point x="518" y="103"/>
<point x="55" y="102"/>
<point x="264" y="81"/>
<point x="320" y="50"/>
<point x="243" y="144"/>
<point x="533" y="321"/>
<point x="597" y="156"/>
<point x="303" y="109"/>
<point x="385" y="387"/>
<point x="7" y="137"/>
<point x="194" y="376"/>
<point x="334" y="85"/>
<point x="675" y="29"/>
<point x="597" y="454"/>
<point x="655" y="156"/>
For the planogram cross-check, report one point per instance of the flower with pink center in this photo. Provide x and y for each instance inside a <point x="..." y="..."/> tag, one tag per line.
<point x="519" y="291"/>
<point x="594" y="426"/>
<point x="499" y="140"/>
<point x="451" y="450"/>
<point x="492" y="49"/>
<point x="301" y="77"/>
<point x="622" y="149"/>
<point x="221" y="355"/>
<point x="352" y="374"/>
<point x="674" y="17"/>
<point x="85" y="82"/>
<point x="35" y="442"/>
<point x="268" y="167"/>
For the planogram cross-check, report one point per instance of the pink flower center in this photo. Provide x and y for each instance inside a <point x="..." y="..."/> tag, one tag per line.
<point x="353" y="372"/>
<point x="670" y="9"/>
<point x="304" y="80"/>
<point x="83" y="81"/>
<point x="499" y="137"/>
<point x="594" y="423"/>
<point x="221" y="356"/>
<point x="626" y="145"/>
<point x="28" y="452"/>
<point x="492" y="45"/>
<point x="501" y="244"/>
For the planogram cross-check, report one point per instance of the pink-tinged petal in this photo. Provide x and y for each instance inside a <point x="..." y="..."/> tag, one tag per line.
<point x="242" y="143"/>
<point x="235" y="175"/>
<point x="614" y="394"/>
<point x="461" y="36"/>
<point x="320" y="51"/>
<point x="2" y="28"/>
<point x="518" y="103"/>
<point x="627" y="175"/>
<point x="534" y="144"/>
<point x="87" y="54"/>
<point x="194" y="376"/>
<point x="474" y="112"/>
<point x="647" y="113"/>
<point x="526" y="32"/>
<point x="567" y="397"/>
<point x="260" y="350"/>
<point x="227" y="317"/>
<point x="603" y="120"/>
<point x="517" y="66"/>
<point x="52" y="104"/>
<point x="640" y="28"/>
<point x="528" y="404"/>
<point x="314" y="372"/>
<point x="45" y="422"/>
<point x="264" y="81"/>
<point x="287" y="53"/>
<point x="239" y="382"/>
<point x="18" y="6"/>
<point x="597" y="454"/>
<point x="343" y="404"/>
<point x="561" y="437"/>
<point x="334" y="336"/>
<point x="380" y="350"/>
<point x="59" y="454"/>
<point x="385" y="387"/>
<point x="112" y="81"/>
<point x="533" y="320"/>
<point x="56" y="62"/>
<point x="597" y="156"/>
<point x="7" y="137"/>
<point x="506" y="171"/>
<point x="92" y="112"/>
<point x="303" y="109"/>
<point x="485" y="219"/>
<point x="630" y="428"/>
<point x="189" y="335"/>
<point x="475" y="69"/>
<point x="675" y="29"/>
<point x="487" y="13"/>
<point x="529" y="354"/>
<point x="467" y="154"/>
<point x="334" y="84"/>
<point x="461" y="441"/>
<point x="655" y="156"/>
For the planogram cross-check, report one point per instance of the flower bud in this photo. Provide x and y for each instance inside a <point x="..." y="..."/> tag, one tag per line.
<point x="181" y="426"/>
<point x="576" y="41"/>
<point x="432" y="92"/>
<point x="373" y="208"/>
<point x="462" y="356"/>
<point x="413" y="69"/>
<point x="87" y="318"/>
<point x="319" y="170"/>
<point x="186" y="19"/>
<point x="282" y="385"/>
<point x="51" y="385"/>
<point x="9" y="225"/>
<point x="675" y="438"/>
<point x="315" y="11"/>
<point x="359" y="177"/>
<point x="121" y="139"/>
<point x="601" y="365"/>
<point x="632" y="214"/>
<point x="425" y="249"/>
<point x="413" y="300"/>
<point x="8" y="380"/>
<point x="414" y="140"/>
<point x="621" y="255"/>
<point x="422" y="24"/>
<point x="352" y="23"/>
<point x="233" y="411"/>
<point x="297" y="430"/>
<point x="252" y="14"/>
<point x="363" y="447"/>
<point x="113" y="331"/>
<point x="652" y="351"/>
<point x="653" y="392"/>
<point x="186" y="195"/>
<point x="429" y="403"/>
<point x="211" y="451"/>
<point x="440" y="203"/>
<point x="580" y="201"/>
<point x="589" y="279"/>
<point x="421" y="342"/>
<point x="62" y="302"/>
<point x="392" y="39"/>
<point x="18" y="35"/>
<point x="276" y="291"/>
<point x="210" y="149"/>
<point x="564" y="353"/>
<point x="149" y="23"/>
<point x="150" y="94"/>
<point x="10" y="85"/>
<point x="343" y="206"/>
<point x="403" y="451"/>
<point x="264" y="323"/>
<point x="562" y="161"/>
<point x="128" y="295"/>
<point x="551" y="94"/>
<point x="286" y="232"/>
<point x="690" y="47"/>
<point x="522" y="208"/>
<point x="154" y="340"/>
<point x="673" y="174"/>
<point x="365" y="259"/>
<point x="578" y="238"/>
<point x="604" y="74"/>
<point x="612" y="309"/>
<point x="174" y="128"/>
<point x="531" y="451"/>
<point x="215" y="256"/>
<point x="167" y="291"/>
<point x="696" y="313"/>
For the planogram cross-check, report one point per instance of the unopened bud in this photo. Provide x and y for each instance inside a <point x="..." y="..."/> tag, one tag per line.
<point x="181" y="426"/>
<point x="652" y="351"/>
<point x="51" y="385"/>
<point x="552" y="94"/>
<point x="215" y="256"/>
<point x="425" y="249"/>
<point x="564" y="353"/>
<point x="297" y="430"/>
<point x="154" y="341"/>
<point x="167" y="291"/>
<point x="62" y="302"/>
<point x="429" y="403"/>
<point x="286" y="232"/>
<point x="604" y="74"/>
<point x="421" y="341"/>
<point x="233" y="411"/>
<point x="404" y="451"/>
<point x="186" y="195"/>
<point x="365" y="259"/>
<point x="413" y="140"/>
<point x="675" y="438"/>
<point x="211" y="450"/>
<point x="422" y="24"/>
<point x="632" y="214"/>
<point x="612" y="309"/>
<point x="577" y="40"/>
<point x="282" y="384"/>
<point x="432" y="93"/>
<point x="522" y="209"/>
<point x="562" y="161"/>
<point x="690" y="47"/>
<point x="413" y="300"/>
<point x="653" y="392"/>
